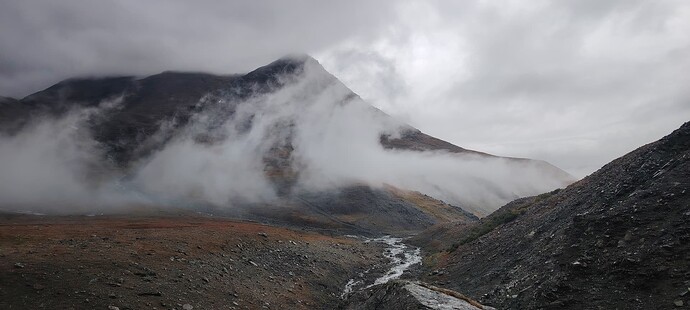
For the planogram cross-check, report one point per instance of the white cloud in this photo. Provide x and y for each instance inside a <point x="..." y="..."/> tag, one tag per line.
<point x="565" y="82"/>
<point x="574" y="82"/>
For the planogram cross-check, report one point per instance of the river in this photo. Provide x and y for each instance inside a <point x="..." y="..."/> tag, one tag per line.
<point x="401" y="256"/>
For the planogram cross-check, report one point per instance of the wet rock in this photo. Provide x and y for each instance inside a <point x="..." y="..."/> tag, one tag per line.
<point x="684" y="292"/>
<point x="401" y="294"/>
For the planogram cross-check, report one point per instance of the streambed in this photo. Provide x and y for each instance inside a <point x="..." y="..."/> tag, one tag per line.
<point x="401" y="257"/>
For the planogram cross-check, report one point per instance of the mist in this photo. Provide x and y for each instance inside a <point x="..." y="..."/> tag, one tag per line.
<point x="335" y="136"/>
<point x="55" y="165"/>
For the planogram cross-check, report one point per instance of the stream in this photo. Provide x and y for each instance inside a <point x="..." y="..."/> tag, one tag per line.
<point x="401" y="256"/>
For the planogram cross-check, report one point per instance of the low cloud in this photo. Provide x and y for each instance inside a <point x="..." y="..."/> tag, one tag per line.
<point x="56" y="164"/>
<point x="576" y="82"/>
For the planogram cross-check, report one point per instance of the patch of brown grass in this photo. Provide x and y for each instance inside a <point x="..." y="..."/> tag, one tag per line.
<point x="435" y="208"/>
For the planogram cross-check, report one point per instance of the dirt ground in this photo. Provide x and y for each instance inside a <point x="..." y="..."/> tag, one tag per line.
<point x="173" y="262"/>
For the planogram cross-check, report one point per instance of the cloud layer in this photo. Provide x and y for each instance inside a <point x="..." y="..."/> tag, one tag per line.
<point x="576" y="83"/>
<point x="55" y="165"/>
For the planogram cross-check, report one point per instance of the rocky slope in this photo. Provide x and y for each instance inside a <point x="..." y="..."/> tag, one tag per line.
<point x="618" y="239"/>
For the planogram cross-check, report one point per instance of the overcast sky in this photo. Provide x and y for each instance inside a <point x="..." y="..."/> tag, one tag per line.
<point x="577" y="83"/>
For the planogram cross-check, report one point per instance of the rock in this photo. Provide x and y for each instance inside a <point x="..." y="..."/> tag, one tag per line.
<point x="579" y="264"/>
<point x="113" y="308"/>
<point x="401" y="294"/>
<point x="262" y="234"/>
<point x="684" y="292"/>
<point x="187" y="307"/>
<point x="678" y="303"/>
<point x="19" y="265"/>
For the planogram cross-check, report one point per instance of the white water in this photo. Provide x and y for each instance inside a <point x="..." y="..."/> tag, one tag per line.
<point x="349" y="287"/>
<point x="402" y="258"/>
<point x="397" y="247"/>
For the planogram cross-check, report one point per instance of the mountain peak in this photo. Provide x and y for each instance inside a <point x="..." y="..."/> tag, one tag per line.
<point x="153" y="110"/>
<point x="297" y="57"/>
<point x="287" y="65"/>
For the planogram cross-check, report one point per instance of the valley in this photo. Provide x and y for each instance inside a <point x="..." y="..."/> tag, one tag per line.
<point x="283" y="189"/>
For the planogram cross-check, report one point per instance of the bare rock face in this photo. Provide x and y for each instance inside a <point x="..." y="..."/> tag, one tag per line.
<point x="406" y="295"/>
<point x="618" y="239"/>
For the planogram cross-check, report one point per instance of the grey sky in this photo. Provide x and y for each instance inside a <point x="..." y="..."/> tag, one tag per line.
<point x="576" y="83"/>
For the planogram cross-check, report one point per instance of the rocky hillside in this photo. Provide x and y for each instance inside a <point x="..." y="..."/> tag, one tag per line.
<point x="618" y="239"/>
<point x="357" y="209"/>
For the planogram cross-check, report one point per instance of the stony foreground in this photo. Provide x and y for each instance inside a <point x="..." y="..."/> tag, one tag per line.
<point x="111" y="262"/>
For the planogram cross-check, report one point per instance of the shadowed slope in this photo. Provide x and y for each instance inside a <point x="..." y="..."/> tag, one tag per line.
<point x="619" y="238"/>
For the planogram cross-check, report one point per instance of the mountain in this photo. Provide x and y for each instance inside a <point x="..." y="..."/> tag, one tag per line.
<point x="617" y="239"/>
<point x="285" y="143"/>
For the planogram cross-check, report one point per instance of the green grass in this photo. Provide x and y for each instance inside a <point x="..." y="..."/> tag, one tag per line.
<point x="498" y="218"/>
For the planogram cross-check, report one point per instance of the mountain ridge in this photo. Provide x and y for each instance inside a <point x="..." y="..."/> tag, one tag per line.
<point x="138" y="117"/>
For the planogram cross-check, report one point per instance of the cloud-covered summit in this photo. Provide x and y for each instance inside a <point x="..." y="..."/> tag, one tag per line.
<point x="576" y="83"/>
<point x="280" y="131"/>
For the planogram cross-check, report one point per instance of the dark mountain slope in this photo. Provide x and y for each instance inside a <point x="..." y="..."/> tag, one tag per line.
<point x="6" y="100"/>
<point x="9" y="108"/>
<point x="140" y="106"/>
<point x="356" y="209"/>
<point x="618" y="239"/>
